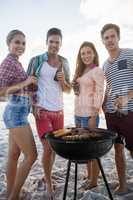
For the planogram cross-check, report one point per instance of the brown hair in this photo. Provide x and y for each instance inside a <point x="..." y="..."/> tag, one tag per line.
<point x="54" y="31"/>
<point x="80" y="66"/>
<point x="12" y="34"/>
<point x="110" y="26"/>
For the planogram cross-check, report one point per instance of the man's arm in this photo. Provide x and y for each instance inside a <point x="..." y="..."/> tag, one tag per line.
<point x="130" y="94"/>
<point x="64" y="76"/>
<point x="66" y="87"/>
<point x="123" y="100"/>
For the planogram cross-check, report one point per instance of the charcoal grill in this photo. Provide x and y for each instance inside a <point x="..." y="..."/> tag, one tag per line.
<point x="80" y="150"/>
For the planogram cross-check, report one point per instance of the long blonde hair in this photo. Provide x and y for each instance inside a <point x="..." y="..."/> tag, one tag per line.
<point x="80" y="66"/>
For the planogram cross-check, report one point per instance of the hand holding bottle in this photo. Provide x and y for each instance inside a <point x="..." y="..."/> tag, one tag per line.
<point x="31" y="82"/>
<point x="59" y="76"/>
<point x="76" y="87"/>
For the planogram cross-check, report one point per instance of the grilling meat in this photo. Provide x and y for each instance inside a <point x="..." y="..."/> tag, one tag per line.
<point x="61" y="132"/>
<point x="75" y="134"/>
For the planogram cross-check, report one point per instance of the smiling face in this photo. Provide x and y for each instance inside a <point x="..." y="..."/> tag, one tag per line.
<point x="87" y="55"/>
<point x="17" y="45"/>
<point x="110" y="39"/>
<point x="54" y="43"/>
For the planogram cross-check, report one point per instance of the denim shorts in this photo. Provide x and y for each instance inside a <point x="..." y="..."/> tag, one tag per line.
<point x="16" y="111"/>
<point x="84" y="121"/>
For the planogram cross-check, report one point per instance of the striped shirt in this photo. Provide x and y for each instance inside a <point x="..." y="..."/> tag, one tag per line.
<point x="119" y="79"/>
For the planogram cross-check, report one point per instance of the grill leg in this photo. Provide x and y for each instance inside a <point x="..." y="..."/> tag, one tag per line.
<point x="75" y="185"/>
<point x="67" y="178"/>
<point x="104" y="178"/>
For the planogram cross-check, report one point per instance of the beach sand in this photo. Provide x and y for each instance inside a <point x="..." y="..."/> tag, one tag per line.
<point x="35" y="188"/>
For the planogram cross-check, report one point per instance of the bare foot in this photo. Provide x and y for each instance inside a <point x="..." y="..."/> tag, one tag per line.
<point x="54" y="183"/>
<point x="50" y="196"/>
<point x="120" y="190"/>
<point x="54" y="178"/>
<point x="131" y="153"/>
<point x="87" y="186"/>
<point x="91" y="185"/>
<point x="50" y="193"/>
<point x="85" y="176"/>
<point x="113" y="185"/>
<point x="13" y="198"/>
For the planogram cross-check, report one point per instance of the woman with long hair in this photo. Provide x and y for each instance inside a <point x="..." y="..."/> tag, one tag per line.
<point x="15" y="83"/>
<point x="88" y="85"/>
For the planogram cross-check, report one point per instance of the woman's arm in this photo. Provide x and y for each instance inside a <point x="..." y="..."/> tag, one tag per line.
<point x="5" y="91"/>
<point x="98" y="78"/>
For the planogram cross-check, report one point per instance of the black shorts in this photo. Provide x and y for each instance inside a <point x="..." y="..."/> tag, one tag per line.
<point x="123" y="125"/>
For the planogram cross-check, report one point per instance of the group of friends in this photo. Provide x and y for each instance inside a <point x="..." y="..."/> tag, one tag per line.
<point x="41" y="89"/>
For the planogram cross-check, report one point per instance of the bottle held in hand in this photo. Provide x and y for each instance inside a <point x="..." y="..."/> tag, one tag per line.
<point x="56" y="75"/>
<point x="75" y="86"/>
<point x="33" y="87"/>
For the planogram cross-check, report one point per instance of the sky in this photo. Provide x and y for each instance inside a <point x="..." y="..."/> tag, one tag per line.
<point x="79" y="20"/>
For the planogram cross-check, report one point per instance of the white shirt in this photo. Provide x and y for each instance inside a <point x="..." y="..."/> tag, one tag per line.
<point x="49" y="95"/>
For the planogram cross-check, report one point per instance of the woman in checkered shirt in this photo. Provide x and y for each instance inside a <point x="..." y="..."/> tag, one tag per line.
<point x="15" y="83"/>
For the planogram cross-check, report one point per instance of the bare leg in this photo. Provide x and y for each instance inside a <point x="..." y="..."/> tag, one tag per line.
<point x="121" y="167"/>
<point x="92" y="166"/>
<point x="47" y="161"/>
<point x="131" y="153"/>
<point x="94" y="170"/>
<point x="94" y="174"/>
<point x="24" y="139"/>
<point x="89" y="167"/>
<point x="13" y="155"/>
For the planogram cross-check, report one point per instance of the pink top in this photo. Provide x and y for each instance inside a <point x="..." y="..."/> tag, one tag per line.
<point x="91" y="93"/>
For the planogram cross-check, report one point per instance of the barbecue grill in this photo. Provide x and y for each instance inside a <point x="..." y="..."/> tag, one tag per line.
<point x="77" y="150"/>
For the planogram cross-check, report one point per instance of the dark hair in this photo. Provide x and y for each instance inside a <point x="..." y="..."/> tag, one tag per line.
<point x="80" y="66"/>
<point x="110" y="26"/>
<point x="12" y="34"/>
<point x="53" y="31"/>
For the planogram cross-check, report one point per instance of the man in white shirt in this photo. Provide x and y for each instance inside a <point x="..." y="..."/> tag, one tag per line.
<point x="53" y="75"/>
